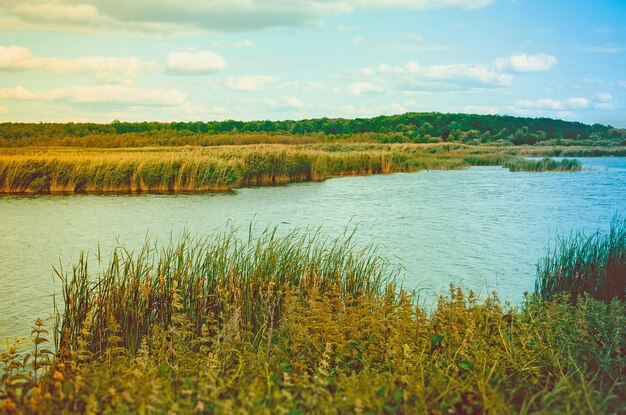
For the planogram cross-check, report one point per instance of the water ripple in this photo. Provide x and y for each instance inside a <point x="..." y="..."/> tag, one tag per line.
<point x="484" y="228"/>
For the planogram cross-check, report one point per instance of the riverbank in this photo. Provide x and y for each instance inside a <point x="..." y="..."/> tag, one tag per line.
<point x="301" y="324"/>
<point x="223" y="168"/>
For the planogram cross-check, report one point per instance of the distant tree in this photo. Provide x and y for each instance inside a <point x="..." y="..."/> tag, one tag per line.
<point x="486" y="137"/>
<point x="471" y="136"/>
<point x="425" y="129"/>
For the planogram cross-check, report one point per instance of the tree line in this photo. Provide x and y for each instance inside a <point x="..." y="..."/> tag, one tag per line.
<point x="410" y="127"/>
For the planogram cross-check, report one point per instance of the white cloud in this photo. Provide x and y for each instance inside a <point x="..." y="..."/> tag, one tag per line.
<point x="603" y="97"/>
<point x="100" y="94"/>
<point x="17" y="58"/>
<point x="117" y="115"/>
<point x="167" y="16"/>
<point x="3" y="109"/>
<point x="424" y="4"/>
<point x="414" y="37"/>
<point x="577" y="103"/>
<point x="284" y="103"/>
<point x="526" y="63"/>
<point x="241" y="44"/>
<point x="565" y="115"/>
<point x="561" y="108"/>
<point x="604" y="106"/>
<point x="194" y="63"/>
<point x="53" y="11"/>
<point x="442" y="77"/>
<point x="304" y="86"/>
<point x="350" y="111"/>
<point x="293" y="102"/>
<point x="357" y="41"/>
<point x="17" y="94"/>
<point x="415" y="43"/>
<point x="604" y="101"/>
<point x="194" y="111"/>
<point x="601" y="49"/>
<point x="349" y="28"/>
<point x="513" y="109"/>
<point x="543" y="104"/>
<point x="363" y="89"/>
<point x="481" y="109"/>
<point x="251" y="83"/>
<point x="74" y="16"/>
<point x="550" y="104"/>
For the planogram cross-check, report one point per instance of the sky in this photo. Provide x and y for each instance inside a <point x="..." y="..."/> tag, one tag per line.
<point x="202" y="60"/>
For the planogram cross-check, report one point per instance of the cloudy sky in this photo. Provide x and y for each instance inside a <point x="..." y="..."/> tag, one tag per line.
<point x="163" y="60"/>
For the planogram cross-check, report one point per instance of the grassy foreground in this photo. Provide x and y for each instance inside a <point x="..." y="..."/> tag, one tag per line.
<point x="222" y="168"/>
<point x="301" y="324"/>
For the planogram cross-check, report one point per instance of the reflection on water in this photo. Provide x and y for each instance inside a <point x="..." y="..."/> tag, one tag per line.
<point x="483" y="227"/>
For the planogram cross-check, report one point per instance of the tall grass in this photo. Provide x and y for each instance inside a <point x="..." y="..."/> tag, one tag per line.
<point x="303" y="324"/>
<point x="545" y="164"/>
<point x="210" y="280"/>
<point x="216" y="169"/>
<point x="595" y="265"/>
<point x="568" y="151"/>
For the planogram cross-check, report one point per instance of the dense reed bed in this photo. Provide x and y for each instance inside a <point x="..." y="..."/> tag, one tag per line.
<point x="168" y="139"/>
<point x="303" y="324"/>
<point x="567" y="151"/>
<point x="210" y="280"/>
<point x="220" y="168"/>
<point x="580" y="264"/>
<point x="545" y="164"/>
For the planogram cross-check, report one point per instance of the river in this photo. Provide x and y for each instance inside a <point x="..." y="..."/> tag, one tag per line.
<point x="484" y="228"/>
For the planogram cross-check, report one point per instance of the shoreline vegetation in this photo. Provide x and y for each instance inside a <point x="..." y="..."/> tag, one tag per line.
<point x="304" y="324"/>
<point x="224" y="168"/>
<point x="545" y="164"/>
<point x="416" y="128"/>
<point x="152" y="157"/>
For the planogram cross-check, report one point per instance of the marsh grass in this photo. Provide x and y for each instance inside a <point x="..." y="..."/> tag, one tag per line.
<point x="303" y="324"/>
<point x="218" y="169"/>
<point x="568" y="151"/>
<point x="211" y="279"/>
<point x="582" y="264"/>
<point x="545" y="164"/>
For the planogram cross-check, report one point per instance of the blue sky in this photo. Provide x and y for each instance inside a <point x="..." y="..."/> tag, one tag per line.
<point x="163" y="60"/>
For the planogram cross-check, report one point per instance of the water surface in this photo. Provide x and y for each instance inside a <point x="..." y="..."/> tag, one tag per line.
<point x="484" y="228"/>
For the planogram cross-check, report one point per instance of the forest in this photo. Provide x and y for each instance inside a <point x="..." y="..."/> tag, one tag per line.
<point x="428" y="127"/>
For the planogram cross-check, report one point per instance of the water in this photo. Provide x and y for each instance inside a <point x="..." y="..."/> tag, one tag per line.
<point x="483" y="228"/>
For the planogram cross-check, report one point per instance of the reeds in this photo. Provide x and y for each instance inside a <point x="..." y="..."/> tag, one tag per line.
<point x="216" y="169"/>
<point x="568" y="151"/>
<point x="376" y="354"/>
<point x="304" y="324"/>
<point x="209" y="280"/>
<point x="581" y="264"/>
<point x="545" y="164"/>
